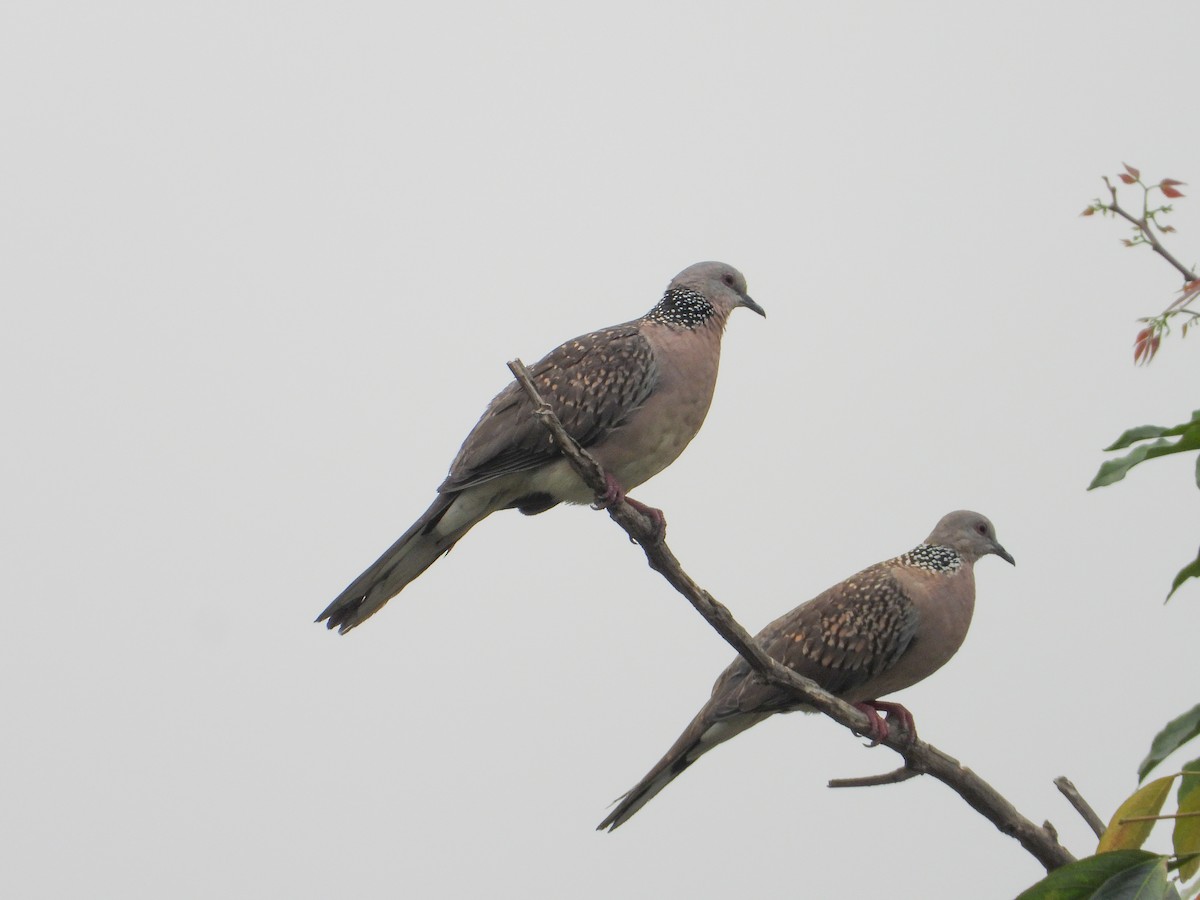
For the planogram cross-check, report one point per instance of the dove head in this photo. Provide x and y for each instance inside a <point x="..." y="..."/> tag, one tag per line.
<point x="704" y="292"/>
<point x="969" y="534"/>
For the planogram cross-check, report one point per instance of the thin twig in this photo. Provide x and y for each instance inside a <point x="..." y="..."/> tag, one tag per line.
<point x="1186" y="815"/>
<point x="1068" y="790"/>
<point x="918" y="755"/>
<point x="1144" y="227"/>
<point x="894" y="777"/>
<point x="1050" y="829"/>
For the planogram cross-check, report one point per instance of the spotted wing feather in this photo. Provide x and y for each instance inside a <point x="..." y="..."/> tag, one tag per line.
<point x="593" y="383"/>
<point x="840" y="639"/>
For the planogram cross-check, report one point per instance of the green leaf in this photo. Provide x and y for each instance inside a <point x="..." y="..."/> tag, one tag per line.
<point x="1115" y="469"/>
<point x="1145" y="801"/>
<point x="1145" y="882"/>
<point x="1080" y="880"/>
<point x="1174" y="735"/>
<point x="1133" y="435"/>
<point x="1186" y="838"/>
<point x="1189" y="437"/>
<point x="1145" y="432"/>
<point x="1191" y="570"/>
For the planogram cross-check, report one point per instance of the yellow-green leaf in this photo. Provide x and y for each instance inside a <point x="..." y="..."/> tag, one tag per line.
<point x="1187" y="830"/>
<point x="1145" y="801"/>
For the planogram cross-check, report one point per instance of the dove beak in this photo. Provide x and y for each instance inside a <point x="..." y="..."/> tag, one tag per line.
<point x="749" y="303"/>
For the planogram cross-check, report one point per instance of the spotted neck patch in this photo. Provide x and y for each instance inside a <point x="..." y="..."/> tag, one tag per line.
<point x="932" y="558"/>
<point x="682" y="306"/>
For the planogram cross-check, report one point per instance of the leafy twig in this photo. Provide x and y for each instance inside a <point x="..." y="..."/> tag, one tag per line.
<point x="1147" y="342"/>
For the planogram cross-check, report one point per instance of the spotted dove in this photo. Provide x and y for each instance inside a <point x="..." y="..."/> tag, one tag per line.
<point x="884" y="629"/>
<point x="634" y="395"/>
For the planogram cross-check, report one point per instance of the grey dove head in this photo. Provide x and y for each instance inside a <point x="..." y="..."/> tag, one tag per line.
<point x="970" y="534"/>
<point x="721" y="284"/>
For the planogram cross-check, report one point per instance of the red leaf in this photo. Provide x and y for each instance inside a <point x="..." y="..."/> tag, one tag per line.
<point x="1090" y="211"/>
<point x="1145" y="345"/>
<point x="1128" y="179"/>
<point x="1132" y="171"/>
<point x="1167" y="182"/>
<point x="1170" y="191"/>
<point x="1139" y="344"/>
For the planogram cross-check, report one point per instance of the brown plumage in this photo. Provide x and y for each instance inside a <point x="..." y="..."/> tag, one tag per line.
<point x="634" y="395"/>
<point x="882" y="630"/>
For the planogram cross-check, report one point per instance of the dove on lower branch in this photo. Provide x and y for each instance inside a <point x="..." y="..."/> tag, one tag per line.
<point x="634" y="395"/>
<point x="875" y="633"/>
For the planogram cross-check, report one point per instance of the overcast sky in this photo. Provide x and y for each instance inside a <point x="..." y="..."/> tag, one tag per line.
<point x="261" y="268"/>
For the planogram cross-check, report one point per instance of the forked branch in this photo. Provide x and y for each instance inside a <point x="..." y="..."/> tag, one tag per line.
<point x="919" y="757"/>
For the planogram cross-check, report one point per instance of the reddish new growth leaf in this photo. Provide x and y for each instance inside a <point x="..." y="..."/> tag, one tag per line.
<point x="1169" y="191"/>
<point x="1187" y="293"/>
<point x="1132" y="171"/>
<point x="1170" y="182"/>
<point x="1139" y="344"/>
<point x="1128" y="179"/>
<point x="1145" y="345"/>
<point x="1090" y="211"/>
<point x="1166" y="229"/>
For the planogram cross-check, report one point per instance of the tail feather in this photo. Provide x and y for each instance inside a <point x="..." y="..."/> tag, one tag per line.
<point x="645" y="790"/>
<point x="414" y="552"/>
<point x="704" y="733"/>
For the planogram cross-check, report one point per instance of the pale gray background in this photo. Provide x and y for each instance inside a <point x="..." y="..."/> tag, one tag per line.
<point x="262" y="267"/>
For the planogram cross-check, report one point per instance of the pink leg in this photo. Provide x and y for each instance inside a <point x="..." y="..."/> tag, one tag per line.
<point x="615" y="494"/>
<point x="655" y="515"/>
<point x="890" y="710"/>
<point x="878" y="729"/>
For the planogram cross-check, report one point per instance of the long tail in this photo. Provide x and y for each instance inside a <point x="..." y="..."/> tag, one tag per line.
<point x="697" y="739"/>
<point x="416" y="550"/>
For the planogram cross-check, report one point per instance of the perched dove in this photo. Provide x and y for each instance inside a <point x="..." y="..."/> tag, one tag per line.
<point x="877" y="632"/>
<point x="634" y="395"/>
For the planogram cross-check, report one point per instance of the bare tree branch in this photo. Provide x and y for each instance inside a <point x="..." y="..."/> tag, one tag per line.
<point x="894" y="777"/>
<point x="1063" y="783"/>
<point x="919" y="756"/>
